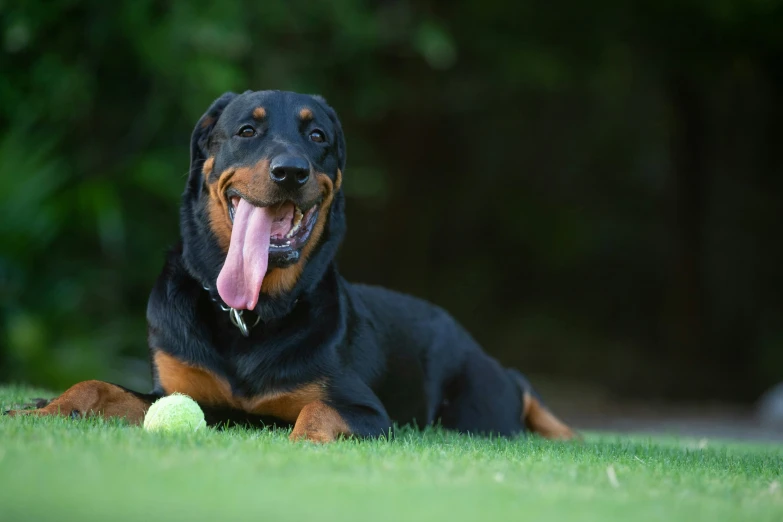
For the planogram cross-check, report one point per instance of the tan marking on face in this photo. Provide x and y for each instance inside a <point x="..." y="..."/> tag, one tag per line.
<point x="540" y="420"/>
<point x="281" y="280"/>
<point x="259" y="113"/>
<point x="208" y="165"/>
<point x="319" y="422"/>
<point x="305" y="114"/>
<point x="94" y="399"/>
<point x="251" y="181"/>
<point x="209" y="389"/>
<point x="207" y="121"/>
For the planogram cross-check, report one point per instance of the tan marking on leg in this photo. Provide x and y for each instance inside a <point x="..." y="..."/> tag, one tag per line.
<point x="319" y="422"/>
<point x="94" y="398"/>
<point x="540" y="420"/>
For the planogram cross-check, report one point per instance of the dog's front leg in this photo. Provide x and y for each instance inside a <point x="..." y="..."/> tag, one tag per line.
<point x="351" y="410"/>
<point x="95" y="398"/>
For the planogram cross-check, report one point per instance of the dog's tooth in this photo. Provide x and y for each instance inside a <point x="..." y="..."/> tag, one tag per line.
<point x="297" y="222"/>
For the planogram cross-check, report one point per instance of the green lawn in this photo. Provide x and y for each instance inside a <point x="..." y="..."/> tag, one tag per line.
<point x="61" y="470"/>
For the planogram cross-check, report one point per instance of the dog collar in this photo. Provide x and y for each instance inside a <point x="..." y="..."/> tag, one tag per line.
<point x="234" y="315"/>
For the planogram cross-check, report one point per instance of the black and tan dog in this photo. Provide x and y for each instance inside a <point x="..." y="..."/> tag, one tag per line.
<point x="251" y="318"/>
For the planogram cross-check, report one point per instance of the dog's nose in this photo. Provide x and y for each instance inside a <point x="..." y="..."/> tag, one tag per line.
<point x="290" y="171"/>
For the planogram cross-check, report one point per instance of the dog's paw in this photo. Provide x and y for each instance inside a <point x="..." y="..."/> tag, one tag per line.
<point x="17" y="413"/>
<point x="27" y="408"/>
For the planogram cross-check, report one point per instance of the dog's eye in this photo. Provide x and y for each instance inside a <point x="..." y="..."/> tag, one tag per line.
<point x="246" y="132"/>
<point x="317" y="136"/>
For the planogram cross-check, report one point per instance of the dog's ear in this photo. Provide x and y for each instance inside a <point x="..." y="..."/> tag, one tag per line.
<point x="339" y="136"/>
<point x="199" y="140"/>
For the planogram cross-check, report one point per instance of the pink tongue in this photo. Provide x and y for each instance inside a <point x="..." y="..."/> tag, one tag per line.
<point x="239" y="282"/>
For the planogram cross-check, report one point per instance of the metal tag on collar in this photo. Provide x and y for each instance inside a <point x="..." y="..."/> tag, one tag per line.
<point x="239" y="321"/>
<point x="234" y="314"/>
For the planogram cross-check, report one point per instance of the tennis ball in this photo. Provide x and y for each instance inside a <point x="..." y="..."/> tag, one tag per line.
<point x="174" y="413"/>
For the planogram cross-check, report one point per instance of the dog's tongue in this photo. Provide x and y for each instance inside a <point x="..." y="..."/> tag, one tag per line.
<point x="239" y="282"/>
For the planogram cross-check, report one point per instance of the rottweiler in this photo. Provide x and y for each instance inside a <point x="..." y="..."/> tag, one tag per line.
<point x="251" y="318"/>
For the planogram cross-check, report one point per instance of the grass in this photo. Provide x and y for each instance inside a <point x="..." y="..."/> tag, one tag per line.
<point x="61" y="470"/>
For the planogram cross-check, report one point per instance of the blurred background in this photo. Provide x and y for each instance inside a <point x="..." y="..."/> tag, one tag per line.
<point x="593" y="189"/>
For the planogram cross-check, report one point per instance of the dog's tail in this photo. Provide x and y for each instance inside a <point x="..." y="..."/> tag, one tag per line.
<point x="536" y="417"/>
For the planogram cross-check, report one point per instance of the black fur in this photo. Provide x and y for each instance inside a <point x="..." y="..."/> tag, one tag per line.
<point x="387" y="357"/>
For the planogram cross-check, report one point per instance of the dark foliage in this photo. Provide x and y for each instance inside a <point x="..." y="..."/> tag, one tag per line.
<point x="592" y="188"/>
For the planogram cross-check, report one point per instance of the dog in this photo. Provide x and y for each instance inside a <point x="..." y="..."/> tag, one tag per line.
<point x="251" y="318"/>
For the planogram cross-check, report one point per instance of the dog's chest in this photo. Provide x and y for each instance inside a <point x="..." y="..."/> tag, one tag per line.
<point x="209" y="389"/>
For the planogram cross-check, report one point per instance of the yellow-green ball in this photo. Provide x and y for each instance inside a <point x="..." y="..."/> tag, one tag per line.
<point x="175" y="413"/>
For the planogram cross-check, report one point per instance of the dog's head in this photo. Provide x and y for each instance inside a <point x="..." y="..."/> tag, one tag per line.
<point x="263" y="199"/>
